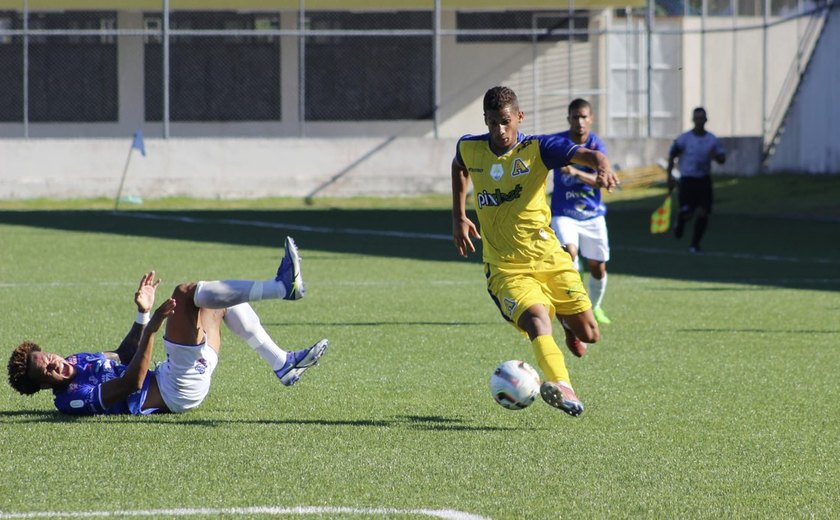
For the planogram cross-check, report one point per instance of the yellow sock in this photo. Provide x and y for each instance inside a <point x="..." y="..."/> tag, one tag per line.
<point x="550" y="359"/>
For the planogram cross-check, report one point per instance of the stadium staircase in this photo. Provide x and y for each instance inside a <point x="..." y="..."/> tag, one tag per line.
<point x="779" y="114"/>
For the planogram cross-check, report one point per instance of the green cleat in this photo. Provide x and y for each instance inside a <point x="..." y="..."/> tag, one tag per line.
<point x="600" y="316"/>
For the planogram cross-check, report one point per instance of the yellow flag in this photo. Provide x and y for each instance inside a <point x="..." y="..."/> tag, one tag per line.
<point x="660" y="220"/>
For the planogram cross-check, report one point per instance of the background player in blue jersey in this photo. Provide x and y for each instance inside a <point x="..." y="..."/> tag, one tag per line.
<point x="120" y="381"/>
<point x="696" y="149"/>
<point x="577" y="212"/>
<point x="529" y="276"/>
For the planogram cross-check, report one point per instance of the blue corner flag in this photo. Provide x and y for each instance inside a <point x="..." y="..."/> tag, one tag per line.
<point x="138" y="142"/>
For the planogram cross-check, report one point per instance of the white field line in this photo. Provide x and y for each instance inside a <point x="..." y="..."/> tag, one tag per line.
<point x="448" y="237"/>
<point x="477" y="281"/>
<point x="446" y="514"/>
<point x="293" y="227"/>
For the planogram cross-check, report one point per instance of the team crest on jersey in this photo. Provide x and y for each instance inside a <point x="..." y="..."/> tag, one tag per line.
<point x="496" y="171"/>
<point x="519" y="168"/>
<point x="510" y="305"/>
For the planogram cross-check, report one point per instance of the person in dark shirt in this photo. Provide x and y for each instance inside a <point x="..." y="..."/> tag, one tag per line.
<point x="694" y="150"/>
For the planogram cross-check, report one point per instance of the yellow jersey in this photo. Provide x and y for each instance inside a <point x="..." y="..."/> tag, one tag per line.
<point x="509" y="195"/>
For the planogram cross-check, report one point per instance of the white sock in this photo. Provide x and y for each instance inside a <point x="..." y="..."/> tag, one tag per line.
<point x="597" y="288"/>
<point x="227" y="293"/>
<point x="244" y="322"/>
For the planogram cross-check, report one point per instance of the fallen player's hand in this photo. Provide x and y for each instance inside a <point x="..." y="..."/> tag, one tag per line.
<point x="144" y="298"/>
<point x="166" y="309"/>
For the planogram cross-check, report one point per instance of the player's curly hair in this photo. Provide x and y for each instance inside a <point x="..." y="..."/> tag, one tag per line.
<point x="499" y="97"/>
<point x="19" y="368"/>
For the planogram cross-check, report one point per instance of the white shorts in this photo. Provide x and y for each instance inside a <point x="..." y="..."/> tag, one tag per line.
<point x="590" y="236"/>
<point x="184" y="378"/>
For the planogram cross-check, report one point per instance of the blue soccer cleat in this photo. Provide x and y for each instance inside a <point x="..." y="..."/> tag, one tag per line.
<point x="289" y="272"/>
<point x="298" y="361"/>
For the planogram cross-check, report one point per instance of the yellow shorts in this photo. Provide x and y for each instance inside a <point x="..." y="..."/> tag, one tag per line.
<point x="553" y="282"/>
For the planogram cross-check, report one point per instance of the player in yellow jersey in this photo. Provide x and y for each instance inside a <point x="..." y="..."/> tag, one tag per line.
<point x="529" y="275"/>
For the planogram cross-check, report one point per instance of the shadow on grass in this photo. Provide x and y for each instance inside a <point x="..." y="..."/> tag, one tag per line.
<point x="297" y="321"/>
<point x="414" y="422"/>
<point x="766" y="251"/>
<point x="38" y="416"/>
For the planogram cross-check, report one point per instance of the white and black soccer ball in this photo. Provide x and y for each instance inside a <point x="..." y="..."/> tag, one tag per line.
<point x="515" y="384"/>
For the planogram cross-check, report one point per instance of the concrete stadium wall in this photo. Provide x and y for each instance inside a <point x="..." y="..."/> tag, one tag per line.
<point x="254" y="168"/>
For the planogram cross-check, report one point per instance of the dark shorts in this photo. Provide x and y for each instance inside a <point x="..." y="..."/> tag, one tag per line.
<point x="695" y="192"/>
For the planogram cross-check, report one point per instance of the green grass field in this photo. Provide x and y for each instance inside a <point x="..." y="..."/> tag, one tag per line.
<point x="714" y="393"/>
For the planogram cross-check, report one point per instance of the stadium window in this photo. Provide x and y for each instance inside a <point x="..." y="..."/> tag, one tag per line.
<point x="6" y="24"/>
<point x="108" y="24"/>
<point x="154" y="26"/>
<point x="11" y="63"/>
<point x="72" y="78"/>
<point x="669" y="7"/>
<point x="215" y="78"/>
<point x="750" y="7"/>
<point x="784" y="7"/>
<point x="367" y="78"/>
<point x="557" y="23"/>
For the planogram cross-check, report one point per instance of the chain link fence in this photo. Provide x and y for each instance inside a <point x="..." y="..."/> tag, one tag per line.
<point x="317" y="72"/>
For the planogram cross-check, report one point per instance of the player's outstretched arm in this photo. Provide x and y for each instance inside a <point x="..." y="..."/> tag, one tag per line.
<point x="119" y="389"/>
<point x="144" y="298"/>
<point x="587" y="178"/>
<point x="462" y="227"/>
<point x="605" y="177"/>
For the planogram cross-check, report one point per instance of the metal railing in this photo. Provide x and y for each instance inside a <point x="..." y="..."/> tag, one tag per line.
<point x="777" y="114"/>
<point x="79" y="81"/>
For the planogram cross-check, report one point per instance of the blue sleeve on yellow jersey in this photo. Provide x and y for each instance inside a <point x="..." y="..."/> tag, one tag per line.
<point x="458" y="158"/>
<point x="467" y="137"/>
<point x="556" y="151"/>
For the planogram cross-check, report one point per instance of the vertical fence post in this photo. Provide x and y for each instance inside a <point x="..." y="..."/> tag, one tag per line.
<point x="704" y="7"/>
<point x="649" y="43"/>
<point x="535" y="74"/>
<point x="436" y="71"/>
<point x="570" y="43"/>
<point x="25" y="69"/>
<point x="733" y="96"/>
<point x="764" y="73"/>
<point x="165" y="47"/>
<point x="302" y="68"/>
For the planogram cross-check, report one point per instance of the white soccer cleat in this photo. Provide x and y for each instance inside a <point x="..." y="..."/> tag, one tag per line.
<point x="298" y="361"/>
<point x="289" y="272"/>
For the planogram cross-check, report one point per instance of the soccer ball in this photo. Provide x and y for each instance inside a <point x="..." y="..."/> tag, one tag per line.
<point x="515" y="384"/>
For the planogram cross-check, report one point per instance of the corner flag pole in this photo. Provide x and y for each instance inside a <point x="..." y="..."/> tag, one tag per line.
<point x="137" y="142"/>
